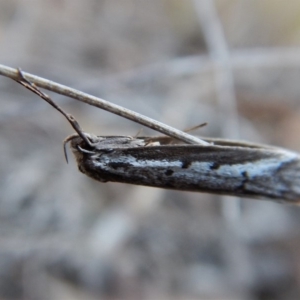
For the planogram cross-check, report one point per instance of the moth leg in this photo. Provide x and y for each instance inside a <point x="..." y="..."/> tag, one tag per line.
<point x="84" y="150"/>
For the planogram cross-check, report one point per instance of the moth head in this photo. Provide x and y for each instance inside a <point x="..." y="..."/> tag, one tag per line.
<point x="79" y="144"/>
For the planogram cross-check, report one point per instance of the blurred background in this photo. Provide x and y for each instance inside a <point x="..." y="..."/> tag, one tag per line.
<point x="232" y="63"/>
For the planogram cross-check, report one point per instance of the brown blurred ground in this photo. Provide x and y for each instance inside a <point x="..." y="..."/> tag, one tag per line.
<point x="64" y="236"/>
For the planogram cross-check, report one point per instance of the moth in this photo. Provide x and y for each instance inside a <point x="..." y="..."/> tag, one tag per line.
<point x="217" y="166"/>
<point x="224" y="167"/>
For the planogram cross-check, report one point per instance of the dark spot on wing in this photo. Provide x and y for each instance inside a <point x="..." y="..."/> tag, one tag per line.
<point x="185" y="164"/>
<point x="245" y="174"/>
<point x="243" y="185"/>
<point x="215" y="166"/>
<point x="169" y="172"/>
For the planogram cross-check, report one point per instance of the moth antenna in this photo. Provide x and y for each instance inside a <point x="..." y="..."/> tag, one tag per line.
<point x="138" y="133"/>
<point x="195" y="127"/>
<point x="65" y="142"/>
